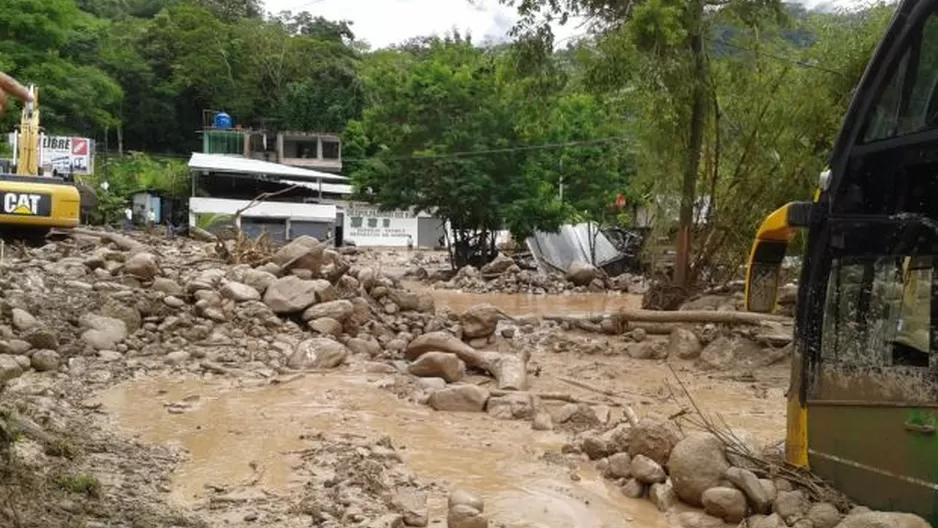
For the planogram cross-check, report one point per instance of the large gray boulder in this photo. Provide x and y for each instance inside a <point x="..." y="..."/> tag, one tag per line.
<point x="697" y="463"/>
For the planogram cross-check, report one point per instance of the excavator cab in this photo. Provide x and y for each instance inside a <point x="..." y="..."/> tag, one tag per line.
<point x="32" y="201"/>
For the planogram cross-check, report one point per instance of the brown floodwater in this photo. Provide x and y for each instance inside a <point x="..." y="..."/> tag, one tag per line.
<point x="228" y="429"/>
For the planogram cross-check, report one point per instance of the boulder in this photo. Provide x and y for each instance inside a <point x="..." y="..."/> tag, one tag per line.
<point x="412" y="505"/>
<point x="463" y="516"/>
<point x="499" y="265"/>
<point x="258" y="279"/>
<point x="883" y="520"/>
<point x="824" y="515"/>
<point x="461" y="497"/>
<point x="304" y="252"/>
<point x="728" y="504"/>
<point x="791" y="506"/>
<point x="239" y="292"/>
<point x="45" y="360"/>
<point x="619" y="466"/>
<point x="695" y="519"/>
<point x="466" y="398"/>
<point x="318" y="352"/>
<point x="662" y="495"/>
<point x="167" y="286"/>
<point x="339" y="310"/>
<point x="23" y="320"/>
<point x="479" y="321"/>
<point x="9" y="368"/>
<point x="142" y="266"/>
<point x="325" y="326"/>
<point x="291" y="294"/>
<point x="581" y="273"/>
<point x="654" y="439"/>
<point x="438" y="365"/>
<point x="697" y="463"/>
<point x="647" y="470"/>
<point x="634" y="489"/>
<point x="513" y="406"/>
<point x="102" y="333"/>
<point x="756" y="494"/>
<point x="648" y="350"/>
<point x="683" y="344"/>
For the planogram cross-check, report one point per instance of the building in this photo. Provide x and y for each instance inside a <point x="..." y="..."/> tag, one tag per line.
<point x="298" y="176"/>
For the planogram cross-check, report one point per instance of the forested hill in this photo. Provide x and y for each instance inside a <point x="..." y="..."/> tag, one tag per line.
<point x="150" y="67"/>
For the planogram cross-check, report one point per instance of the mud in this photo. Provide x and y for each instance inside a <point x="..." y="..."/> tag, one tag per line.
<point x="569" y="304"/>
<point x="227" y="429"/>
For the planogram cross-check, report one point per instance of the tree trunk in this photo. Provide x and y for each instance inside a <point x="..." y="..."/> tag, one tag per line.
<point x="694" y="143"/>
<point x="509" y="370"/>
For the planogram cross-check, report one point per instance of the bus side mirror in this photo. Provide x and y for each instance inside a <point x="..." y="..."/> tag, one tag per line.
<point x="768" y="251"/>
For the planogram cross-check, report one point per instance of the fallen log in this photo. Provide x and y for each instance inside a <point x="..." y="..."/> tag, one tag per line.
<point x="510" y="371"/>
<point x="556" y="396"/>
<point x="698" y="316"/>
<point x="124" y="242"/>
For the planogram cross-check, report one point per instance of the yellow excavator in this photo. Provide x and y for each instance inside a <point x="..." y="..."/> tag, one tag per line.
<point x="32" y="203"/>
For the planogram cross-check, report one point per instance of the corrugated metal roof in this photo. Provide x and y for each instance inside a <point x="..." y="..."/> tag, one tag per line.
<point x="238" y="164"/>
<point x="559" y="250"/>
<point x="332" y="188"/>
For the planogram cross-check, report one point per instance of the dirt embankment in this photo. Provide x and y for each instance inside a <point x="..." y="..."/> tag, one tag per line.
<point x="146" y="383"/>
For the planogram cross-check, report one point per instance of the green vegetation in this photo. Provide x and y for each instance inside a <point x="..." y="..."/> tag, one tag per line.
<point x="80" y="483"/>
<point x="671" y="103"/>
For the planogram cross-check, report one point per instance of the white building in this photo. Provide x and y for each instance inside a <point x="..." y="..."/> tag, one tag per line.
<point x="297" y="201"/>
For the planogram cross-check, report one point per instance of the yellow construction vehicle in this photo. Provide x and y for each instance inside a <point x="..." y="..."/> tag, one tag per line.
<point x="32" y="203"/>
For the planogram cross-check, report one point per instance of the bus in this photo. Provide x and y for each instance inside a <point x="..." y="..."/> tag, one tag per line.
<point x="862" y="407"/>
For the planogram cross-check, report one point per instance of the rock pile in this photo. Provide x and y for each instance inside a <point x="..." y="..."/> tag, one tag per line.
<point x="652" y="459"/>
<point x="502" y="275"/>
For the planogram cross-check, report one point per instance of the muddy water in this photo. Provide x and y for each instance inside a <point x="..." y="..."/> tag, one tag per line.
<point x="571" y="304"/>
<point x="227" y="431"/>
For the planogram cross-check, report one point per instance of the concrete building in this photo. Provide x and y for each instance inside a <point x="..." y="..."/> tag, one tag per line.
<point x="307" y="193"/>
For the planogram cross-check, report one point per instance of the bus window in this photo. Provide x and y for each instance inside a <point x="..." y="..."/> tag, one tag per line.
<point x="909" y="102"/>
<point x="878" y="312"/>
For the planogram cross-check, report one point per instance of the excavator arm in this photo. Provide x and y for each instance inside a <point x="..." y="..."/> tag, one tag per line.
<point x="27" y="139"/>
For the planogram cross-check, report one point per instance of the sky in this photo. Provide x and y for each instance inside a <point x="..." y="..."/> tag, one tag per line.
<point x="384" y="22"/>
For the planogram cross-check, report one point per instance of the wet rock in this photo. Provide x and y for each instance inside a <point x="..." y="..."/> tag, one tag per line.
<point x="9" y="368"/>
<point x="412" y="505"/>
<point x="258" y="279"/>
<point x="747" y="481"/>
<point x="581" y="273"/>
<point x="142" y="266"/>
<point x="109" y="355"/>
<point x="824" y="515"/>
<point x="513" y="406"/>
<point x="407" y="301"/>
<point x="239" y="292"/>
<point x="697" y="463"/>
<point x="647" y="470"/>
<point x="662" y="495"/>
<point x="339" y="310"/>
<point x="619" y="466"/>
<point x="438" y="365"/>
<point x="463" y="516"/>
<point x="103" y="333"/>
<point x="883" y="520"/>
<point x="791" y="506"/>
<point x="500" y="265"/>
<point x="24" y="362"/>
<point x="648" y="350"/>
<point x="290" y="294"/>
<point x="45" y="360"/>
<point x="654" y="439"/>
<point x="618" y="437"/>
<point x="728" y="504"/>
<point x="479" y="321"/>
<point x="177" y="357"/>
<point x="465" y="398"/>
<point x="683" y="344"/>
<point x="695" y="519"/>
<point x="42" y="338"/>
<point x="634" y="489"/>
<point x="318" y="352"/>
<point x="748" y="444"/>
<point x="23" y="320"/>
<point x="129" y="314"/>
<point x="461" y="497"/>
<point x="15" y="347"/>
<point x="771" y="492"/>
<point x="595" y="446"/>
<point x="325" y="326"/>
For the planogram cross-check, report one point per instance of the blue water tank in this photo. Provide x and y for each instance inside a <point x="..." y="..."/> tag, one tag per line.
<point x="222" y="120"/>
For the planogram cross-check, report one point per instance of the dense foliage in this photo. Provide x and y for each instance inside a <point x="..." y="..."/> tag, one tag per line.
<point x="729" y="106"/>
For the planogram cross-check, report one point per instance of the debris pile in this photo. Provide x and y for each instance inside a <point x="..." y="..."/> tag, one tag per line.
<point x="503" y="275"/>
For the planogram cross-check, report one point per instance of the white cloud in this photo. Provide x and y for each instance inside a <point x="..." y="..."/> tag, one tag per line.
<point x="385" y="22"/>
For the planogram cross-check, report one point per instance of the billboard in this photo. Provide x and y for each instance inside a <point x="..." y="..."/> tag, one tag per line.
<point x="65" y="154"/>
